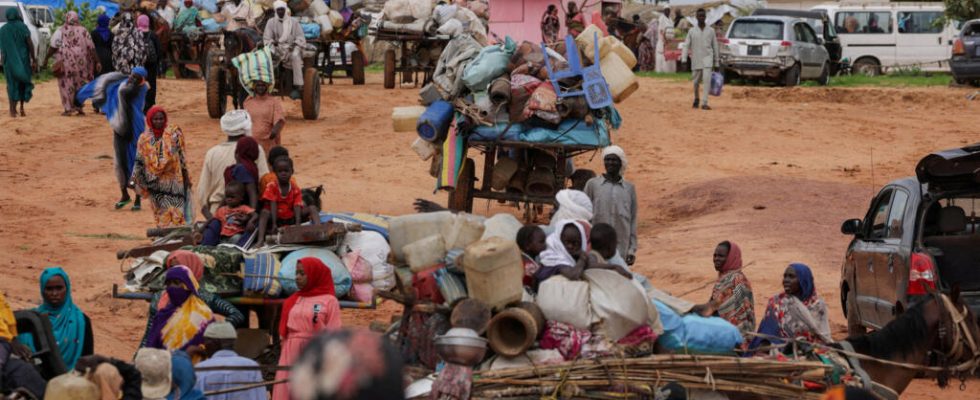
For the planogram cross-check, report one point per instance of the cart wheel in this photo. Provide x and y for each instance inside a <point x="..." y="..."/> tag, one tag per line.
<point x="357" y="67"/>
<point x="461" y="198"/>
<point x="217" y="100"/>
<point x="390" y="69"/>
<point x="311" y="93"/>
<point x="212" y="60"/>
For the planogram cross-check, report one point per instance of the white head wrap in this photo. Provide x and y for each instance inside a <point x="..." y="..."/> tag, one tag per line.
<point x="556" y="254"/>
<point x="279" y="4"/>
<point x="618" y="152"/>
<point x="236" y="123"/>
<point x="573" y="205"/>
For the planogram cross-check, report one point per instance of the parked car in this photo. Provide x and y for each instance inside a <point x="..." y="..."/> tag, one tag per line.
<point x="781" y="49"/>
<point x="919" y="232"/>
<point x="41" y="37"/>
<point x="821" y="24"/>
<point x="965" y="60"/>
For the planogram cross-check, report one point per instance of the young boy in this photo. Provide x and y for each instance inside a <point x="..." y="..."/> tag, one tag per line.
<point x="604" y="242"/>
<point x="284" y="201"/>
<point x="232" y="220"/>
<point x="531" y="241"/>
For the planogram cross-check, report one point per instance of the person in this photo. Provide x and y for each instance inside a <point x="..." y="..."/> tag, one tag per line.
<point x="17" y="51"/>
<point x="76" y="54"/>
<point x="731" y="297"/>
<point x="184" y="380"/>
<point x="631" y="38"/>
<point x="156" y="369"/>
<point x="284" y="202"/>
<point x="72" y="329"/>
<point x="268" y="117"/>
<point x="580" y="177"/>
<point x="285" y="37"/>
<point x="115" y="378"/>
<point x="665" y="32"/>
<point x="180" y="324"/>
<point x="120" y="96"/>
<point x="245" y="171"/>
<point x="128" y="46"/>
<point x="574" y="19"/>
<point x="550" y="25"/>
<point x="102" y="40"/>
<point x="796" y="312"/>
<point x="274" y="153"/>
<point x="614" y="201"/>
<point x="572" y="205"/>
<point x="188" y="20"/>
<point x="15" y="372"/>
<point x="702" y="45"/>
<point x="236" y="14"/>
<point x="566" y="251"/>
<point x="873" y="26"/>
<point x="165" y="11"/>
<point x="211" y="187"/>
<point x="314" y="308"/>
<point x="647" y="57"/>
<point x="154" y="54"/>
<point x="233" y="222"/>
<point x="219" y="345"/>
<point x="531" y="241"/>
<point x="160" y="172"/>
<point x="71" y="386"/>
<point x="354" y="364"/>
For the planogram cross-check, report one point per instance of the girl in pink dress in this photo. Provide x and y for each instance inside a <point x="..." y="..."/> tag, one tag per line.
<point x="311" y="310"/>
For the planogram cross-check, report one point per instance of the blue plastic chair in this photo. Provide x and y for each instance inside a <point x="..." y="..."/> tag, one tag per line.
<point x="594" y="86"/>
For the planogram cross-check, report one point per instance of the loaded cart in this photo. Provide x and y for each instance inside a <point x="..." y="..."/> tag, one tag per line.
<point x="411" y="54"/>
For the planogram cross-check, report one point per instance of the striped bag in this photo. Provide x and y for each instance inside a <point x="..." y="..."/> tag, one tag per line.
<point x="255" y="66"/>
<point x="261" y="275"/>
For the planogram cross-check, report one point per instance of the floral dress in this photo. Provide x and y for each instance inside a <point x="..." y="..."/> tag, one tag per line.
<point x="158" y="174"/>
<point x="74" y="49"/>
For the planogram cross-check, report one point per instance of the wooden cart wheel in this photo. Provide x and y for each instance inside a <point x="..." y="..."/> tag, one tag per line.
<point x="216" y="98"/>
<point x="311" y="93"/>
<point x="390" y="69"/>
<point x="461" y="198"/>
<point x="357" y="67"/>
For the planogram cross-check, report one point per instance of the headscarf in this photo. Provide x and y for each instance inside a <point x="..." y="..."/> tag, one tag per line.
<point x="8" y="323"/>
<point x="71" y="18"/>
<point x="67" y="320"/>
<point x="246" y="153"/>
<point x="319" y="281"/>
<point x="102" y="27"/>
<point x="348" y="364"/>
<point x="106" y="376"/>
<point x="143" y="23"/>
<point x="287" y="27"/>
<point x="149" y="120"/>
<point x="236" y="123"/>
<point x="182" y="372"/>
<point x="618" y="152"/>
<point x="805" y="276"/>
<point x="734" y="260"/>
<point x="181" y="323"/>
<point x="574" y="205"/>
<point x="802" y="311"/>
<point x="16" y="58"/>
<point x="187" y="259"/>
<point x="555" y="254"/>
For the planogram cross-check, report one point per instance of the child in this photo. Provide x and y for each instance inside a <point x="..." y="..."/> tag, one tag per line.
<point x="531" y="241"/>
<point x="269" y="177"/>
<point x="232" y="220"/>
<point x="603" y="240"/>
<point x="284" y="201"/>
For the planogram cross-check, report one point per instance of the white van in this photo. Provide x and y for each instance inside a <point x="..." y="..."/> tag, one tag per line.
<point x="878" y="36"/>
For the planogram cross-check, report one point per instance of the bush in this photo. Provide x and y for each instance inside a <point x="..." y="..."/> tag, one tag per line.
<point x="87" y="16"/>
<point x="962" y="10"/>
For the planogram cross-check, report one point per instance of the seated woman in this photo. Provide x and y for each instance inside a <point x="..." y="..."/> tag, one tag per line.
<point x="731" y="298"/>
<point x="217" y="305"/>
<point x="798" y="312"/>
<point x="72" y="329"/>
<point x="180" y="324"/>
<point x="245" y="170"/>
<point x="15" y="373"/>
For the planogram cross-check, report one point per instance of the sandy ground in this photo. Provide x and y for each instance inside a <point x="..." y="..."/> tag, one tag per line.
<point x="775" y="170"/>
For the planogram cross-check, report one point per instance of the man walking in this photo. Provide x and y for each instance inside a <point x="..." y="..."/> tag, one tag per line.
<point x="614" y="201"/>
<point x="665" y="31"/>
<point x="219" y="344"/>
<point x="703" y="47"/>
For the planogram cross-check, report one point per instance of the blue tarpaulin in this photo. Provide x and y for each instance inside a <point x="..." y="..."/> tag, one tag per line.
<point x="111" y="8"/>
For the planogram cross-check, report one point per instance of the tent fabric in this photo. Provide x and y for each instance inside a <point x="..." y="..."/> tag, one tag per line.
<point x="110" y="7"/>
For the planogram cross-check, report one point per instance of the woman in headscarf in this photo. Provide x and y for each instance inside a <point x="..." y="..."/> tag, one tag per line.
<point x="731" y="297"/>
<point x="72" y="329"/>
<point x="102" y="39"/>
<point x="648" y="47"/>
<point x="17" y="51"/>
<point x="154" y="54"/>
<point x="352" y="364"/>
<point x="219" y="306"/>
<point x="550" y="25"/>
<point x="160" y="172"/>
<point x="180" y="324"/>
<point x="245" y="170"/>
<point x="566" y="251"/>
<point x="120" y="96"/>
<point x="75" y="53"/>
<point x="572" y="205"/>
<point x="574" y="19"/>
<point x="797" y="312"/>
<point x="311" y="310"/>
<point x="128" y="46"/>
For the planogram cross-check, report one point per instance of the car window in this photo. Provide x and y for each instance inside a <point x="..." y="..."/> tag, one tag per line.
<point x="896" y="216"/>
<point x="763" y="30"/>
<point x="808" y="35"/>
<point x="879" y="216"/>
<point x="920" y="22"/>
<point x="972" y="29"/>
<point x="863" y="22"/>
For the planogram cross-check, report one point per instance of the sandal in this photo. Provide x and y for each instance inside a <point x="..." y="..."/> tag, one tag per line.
<point x="136" y="207"/>
<point x="122" y="204"/>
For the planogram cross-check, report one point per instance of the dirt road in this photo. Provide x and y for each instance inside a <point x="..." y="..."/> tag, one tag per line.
<point x="774" y="170"/>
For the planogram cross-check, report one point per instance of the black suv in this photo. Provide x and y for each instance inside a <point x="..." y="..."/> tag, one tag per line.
<point x="919" y="231"/>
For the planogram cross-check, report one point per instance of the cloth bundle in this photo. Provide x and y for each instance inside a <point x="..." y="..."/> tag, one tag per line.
<point x="255" y="66"/>
<point x="500" y="91"/>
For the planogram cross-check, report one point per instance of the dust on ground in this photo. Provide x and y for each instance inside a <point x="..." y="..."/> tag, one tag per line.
<point x="775" y="170"/>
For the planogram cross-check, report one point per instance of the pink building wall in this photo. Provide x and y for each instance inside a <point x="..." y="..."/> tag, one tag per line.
<point x="521" y="19"/>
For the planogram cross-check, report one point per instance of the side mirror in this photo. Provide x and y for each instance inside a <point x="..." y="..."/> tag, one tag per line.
<point x="851" y="227"/>
<point x="820" y="41"/>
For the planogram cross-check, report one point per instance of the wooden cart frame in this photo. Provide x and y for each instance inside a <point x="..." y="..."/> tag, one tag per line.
<point x="180" y="54"/>
<point x="410" y="46"/>
<point x="351" y="64"/>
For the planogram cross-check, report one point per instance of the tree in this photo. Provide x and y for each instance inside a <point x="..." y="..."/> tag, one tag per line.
<point x="87" y="16"/>
<point x="962" y="10"/>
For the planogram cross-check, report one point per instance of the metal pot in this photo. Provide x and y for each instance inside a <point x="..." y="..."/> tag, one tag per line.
<point x="461" y="346"/>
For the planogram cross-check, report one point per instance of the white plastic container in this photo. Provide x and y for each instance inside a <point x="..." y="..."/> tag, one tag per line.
<point x="318" y="8"/>
<point x="404" y="119"/>
<point x="617" y="47"/>
<point x="424" y="253"/>
<point x="412" y="227"/>
<point x="622" y="82"/>
<point x="465" y="229"/>
<point x="494" y="272"/>
<point x="501" y="225"/>
<point x="424" y="148"/>
<point x="586" y="42"/>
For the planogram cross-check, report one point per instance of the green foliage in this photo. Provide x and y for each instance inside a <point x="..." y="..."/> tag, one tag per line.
<point x="962" y="10"/>
<point x="87" y="16"/>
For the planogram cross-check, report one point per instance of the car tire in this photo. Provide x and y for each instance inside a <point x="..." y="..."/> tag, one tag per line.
<point x="824" y="78"/>
<point x="854" y="325"/>
<point x="866" y="66"/>
<point x="792" y="76"/>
